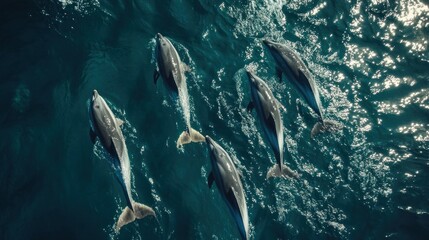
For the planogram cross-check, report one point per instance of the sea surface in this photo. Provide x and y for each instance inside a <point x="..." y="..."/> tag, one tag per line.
<point x="370" y="60"/>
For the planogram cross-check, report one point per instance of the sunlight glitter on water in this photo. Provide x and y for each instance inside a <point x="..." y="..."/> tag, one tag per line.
<point x="413" y="12"/>
<point x="420" y="131"/>
<point x="367" y="78"/>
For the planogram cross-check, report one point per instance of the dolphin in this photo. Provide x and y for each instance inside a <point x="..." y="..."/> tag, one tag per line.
<point x="289" y="63"/>
<point x="268" y="112"/>
<point x="229" y="185"/>
<point x="172" y="70"/>
<point x="106" y="127"/>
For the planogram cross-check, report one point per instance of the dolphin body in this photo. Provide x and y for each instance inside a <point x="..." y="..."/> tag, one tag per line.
<point x="106" y="127"/>
<point x="289" y="63"/>
<point x="268" y="112"/>
<point x="229" y="185"/>
<point x="172" y="70"/>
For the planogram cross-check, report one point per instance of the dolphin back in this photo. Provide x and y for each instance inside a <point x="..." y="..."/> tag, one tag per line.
<point x="268" y="113"/>
<point x="169" y="64"/>
<point x="239" y="219"/>
<point x="106" y="127"/>
<point x="228" y="182"/>
<point x="298" y="74"/>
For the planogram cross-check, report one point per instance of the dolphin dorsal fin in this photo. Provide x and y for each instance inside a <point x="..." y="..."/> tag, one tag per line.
<point x="119" y="121"/>
<point x="240" y="174"/>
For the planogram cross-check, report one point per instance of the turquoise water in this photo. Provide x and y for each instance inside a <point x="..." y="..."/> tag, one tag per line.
<point x="370" y="60"/>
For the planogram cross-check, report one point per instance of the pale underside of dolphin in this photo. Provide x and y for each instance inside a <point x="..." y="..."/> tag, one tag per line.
<point x="291" y="65"/>
<point x="172" y="70"/>
<point x="106" y="127"/>
<point x="268" y="112"/>
<point x="227" y="179"/>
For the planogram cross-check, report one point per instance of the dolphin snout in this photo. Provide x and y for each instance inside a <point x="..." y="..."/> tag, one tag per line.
<point x="250" y="75"/>
<point x="159" y="35"/>
<point x="210" y="143"/>
<point x="94" y="94"/>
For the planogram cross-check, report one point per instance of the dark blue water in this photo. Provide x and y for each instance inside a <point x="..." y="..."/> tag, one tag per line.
<point x="370" y="60"/>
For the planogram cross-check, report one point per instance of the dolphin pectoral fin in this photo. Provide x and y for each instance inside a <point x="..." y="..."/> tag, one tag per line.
<point x="155" y="76"/>
<point x="279" y="73"/>
<point x="127" y="215"/>
<point x="280" y="105"/>
<point x="119" y="121"/>
<point x="285" y="172"/>
<point x="250" y="106"/>
<point x="188" y="136"/>
<point x="185" y="67"/>
<point x="240" y="173"/>
<point x="210" y="179"/>
<point x="92" y="136"/>
<point x="325" y="126"/>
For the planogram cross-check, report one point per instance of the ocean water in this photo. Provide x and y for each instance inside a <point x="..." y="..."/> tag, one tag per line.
<point x="370" y="60"/>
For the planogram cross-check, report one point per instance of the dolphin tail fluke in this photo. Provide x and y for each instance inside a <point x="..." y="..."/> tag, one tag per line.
<point x="285" y="172"/>
<point x="128" y="215"/>
<point x="188" y="136"/>
<point x="325" y="126"/>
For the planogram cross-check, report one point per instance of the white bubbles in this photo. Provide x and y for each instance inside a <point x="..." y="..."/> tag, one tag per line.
<point x="82" y="6"/>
